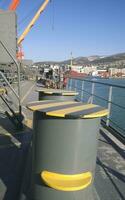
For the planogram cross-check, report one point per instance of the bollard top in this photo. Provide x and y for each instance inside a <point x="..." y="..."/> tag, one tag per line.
<point x="68" y="109"/>
<point x="57" y="92"/>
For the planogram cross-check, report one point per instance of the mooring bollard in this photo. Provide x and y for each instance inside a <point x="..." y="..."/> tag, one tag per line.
<point x="64" y="149"/>
<point x="56" y="94"/>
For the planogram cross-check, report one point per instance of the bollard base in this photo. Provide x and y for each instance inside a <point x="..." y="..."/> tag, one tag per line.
<point x="91" y="195"/>
<point x="47" y="193"/>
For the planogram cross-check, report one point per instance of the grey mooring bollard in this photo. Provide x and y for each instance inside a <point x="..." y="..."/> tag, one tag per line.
<point x="56" y="94"/>
<point x="64" y="149"/>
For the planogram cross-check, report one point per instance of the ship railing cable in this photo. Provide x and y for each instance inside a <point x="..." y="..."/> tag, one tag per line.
<point x="89" y="91"/>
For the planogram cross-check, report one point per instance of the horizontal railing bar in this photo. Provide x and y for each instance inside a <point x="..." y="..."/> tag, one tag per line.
<point x="86" y="92"/>
<point x="100" y="97"/>
<point x="94" y="95"/>
<point x="117" y="125"/>
<point x="122" y="107"/>
<point x="101" y="83"/>
<point x="105" y="99"/>
<point x="114" y="131"/>
<point x="115" y="128"/>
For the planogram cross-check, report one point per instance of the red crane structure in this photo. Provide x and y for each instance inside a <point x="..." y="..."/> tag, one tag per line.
<point x="14" y="4"/>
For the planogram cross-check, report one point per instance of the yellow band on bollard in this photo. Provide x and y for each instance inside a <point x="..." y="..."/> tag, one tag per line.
<point x="2" y="91"/>
<point x="70" y="93"/>
<point x="67" y="182"/>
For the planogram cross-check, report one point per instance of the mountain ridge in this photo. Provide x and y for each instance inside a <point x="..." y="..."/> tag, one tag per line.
<point x="94" y="59"/>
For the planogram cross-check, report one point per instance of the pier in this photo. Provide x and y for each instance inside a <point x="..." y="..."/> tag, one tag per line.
<point x="110" y="174"/>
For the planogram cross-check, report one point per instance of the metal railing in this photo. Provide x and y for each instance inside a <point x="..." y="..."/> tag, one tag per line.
<point x="104" y="94"/>
<point x="18" y="72"/>
<point x="9" y="85"/>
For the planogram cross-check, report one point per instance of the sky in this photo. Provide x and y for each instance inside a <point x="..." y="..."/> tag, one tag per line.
<point x="83" y="27"/>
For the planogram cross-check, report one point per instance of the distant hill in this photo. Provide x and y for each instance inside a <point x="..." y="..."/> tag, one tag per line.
<point x="95" y="59"/>
<point x="82" y="60"/>
<point x="110" y="59"/>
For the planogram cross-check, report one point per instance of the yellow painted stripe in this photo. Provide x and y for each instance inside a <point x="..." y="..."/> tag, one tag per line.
<point x="101" y="113"/>
<point x="47" y="92"/>
<point x="64" y="182"/>
<point x="53" y="90"/>
<point x="2" y="91"/>
<point x="40" y="90"/>
<point x="43" y="106"/>
<point x="69" y="93"/>
<point x="63" y="92"/>
<point x="63" y="112"/>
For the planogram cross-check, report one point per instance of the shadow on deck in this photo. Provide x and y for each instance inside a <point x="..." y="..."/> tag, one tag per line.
<point x="110" y="169"/>
<point x="14" y="151"/>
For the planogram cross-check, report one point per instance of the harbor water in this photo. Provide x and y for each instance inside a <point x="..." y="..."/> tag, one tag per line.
<point x="117" y="117"/>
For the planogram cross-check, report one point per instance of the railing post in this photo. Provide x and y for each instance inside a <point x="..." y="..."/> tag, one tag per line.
<point x="109" y="105"/>
<point x="75" y="85"/>
<point x="70" y="84"/>
<point x="82" y="92"/>
<point x="92" y="92"/>
<point x="18" y="72"/>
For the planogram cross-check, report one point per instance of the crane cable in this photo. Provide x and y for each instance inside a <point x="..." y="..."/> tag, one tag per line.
<point x="53" y="15"/>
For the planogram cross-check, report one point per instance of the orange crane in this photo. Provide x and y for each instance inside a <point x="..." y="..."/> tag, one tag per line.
<point x="14" y="4"/>
<point x="30" y="25"/>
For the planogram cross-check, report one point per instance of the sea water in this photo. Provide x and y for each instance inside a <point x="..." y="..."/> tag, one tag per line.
<point x="117" y="116"/>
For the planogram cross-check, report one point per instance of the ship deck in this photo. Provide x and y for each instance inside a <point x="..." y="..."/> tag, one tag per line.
<point x="110" y="167"/>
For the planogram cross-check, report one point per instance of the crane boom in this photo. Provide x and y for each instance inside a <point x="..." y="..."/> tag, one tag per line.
<point x="26" y="31"/>
<point x="14" y="4"/>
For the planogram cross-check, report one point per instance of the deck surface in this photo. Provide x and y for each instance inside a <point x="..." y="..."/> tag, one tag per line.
<point x="110" y="168"/>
